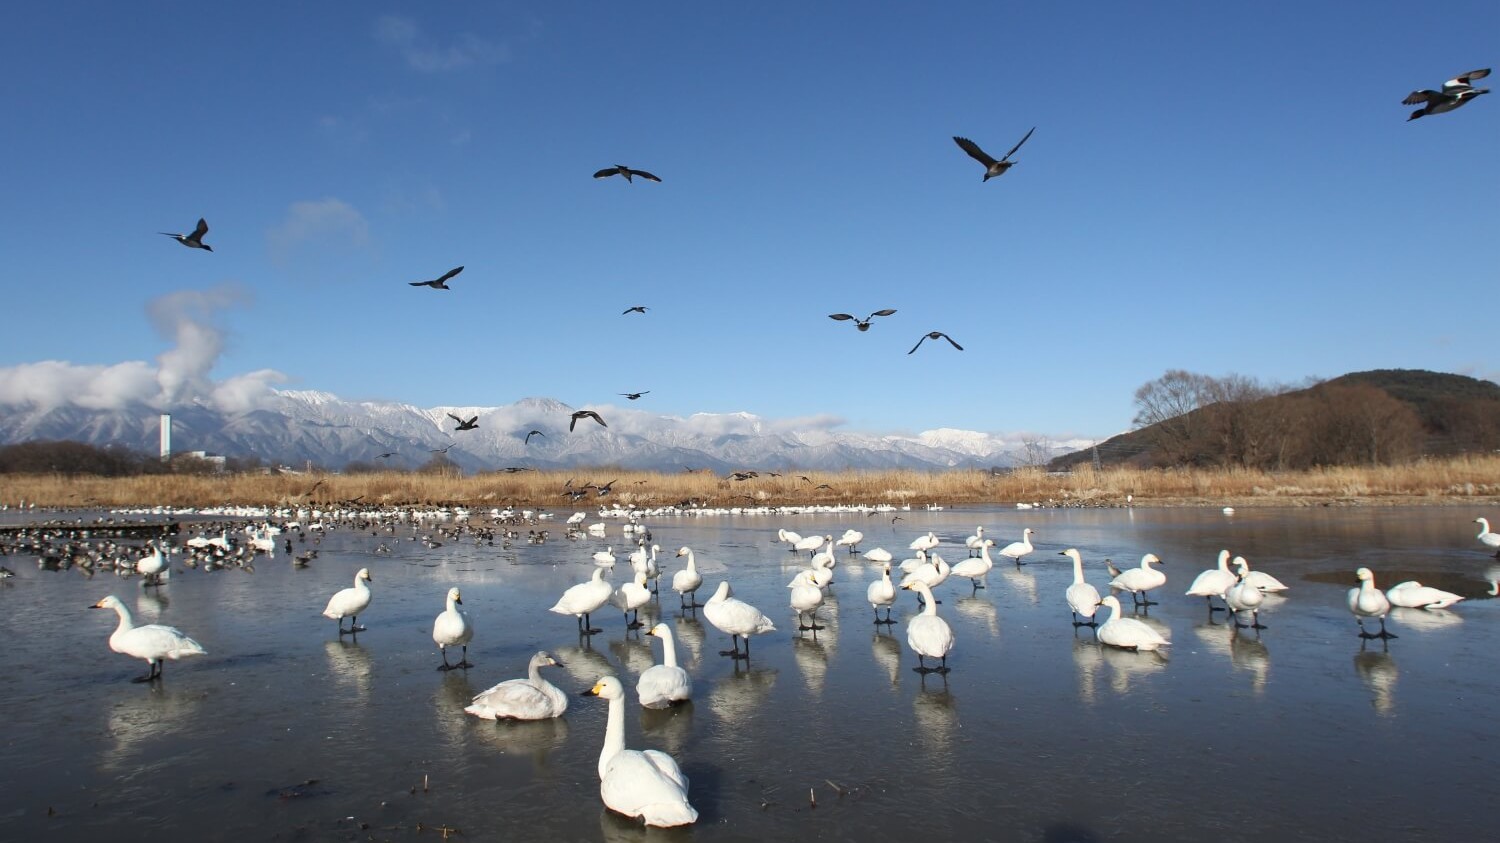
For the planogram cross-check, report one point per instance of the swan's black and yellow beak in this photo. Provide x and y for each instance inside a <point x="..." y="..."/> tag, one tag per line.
<point x="592" y="692"/>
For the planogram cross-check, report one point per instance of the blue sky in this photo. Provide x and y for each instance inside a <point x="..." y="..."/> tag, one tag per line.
<point x="1216" y="187"/>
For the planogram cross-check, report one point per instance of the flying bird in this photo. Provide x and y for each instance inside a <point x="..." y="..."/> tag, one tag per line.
<point x="934" y="335"/>
<point x="862" y="324"/>
<point x="439" y="283"/>
<point x="992" y="167"/>
<point x="531" y="434"/>
<point x="634" y="395"/>
<point x="622" y="170"/>
<point x="640" y="308"/>
<point x="471" y="424"/>
<point x="516" y="469"/>
<point x="585" y="414"/>
<point x="386" y="455"/>
<point x="1455" y="92"/>
<point x="442" y="450"/>
<point x="195" y="240"/>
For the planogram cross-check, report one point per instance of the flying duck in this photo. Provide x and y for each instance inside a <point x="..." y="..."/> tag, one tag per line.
<point x="861" y="324"/>
<point x="992" y="167"/>
<point x="622" y="170"/>
<point x="1455" y="92"/>
<point x="585" y="414"/>
<point x="438" y="283"/>
<point x="195" y="240"/>
<point x="470" y="424"/>
<point x="934" y="335"/>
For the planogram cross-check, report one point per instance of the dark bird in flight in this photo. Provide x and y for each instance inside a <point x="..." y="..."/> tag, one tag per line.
<point x="585" y="414"/>
<point x="622" y="170"/>
<point x="531" y="434"/>
<point x="862" y="324"/>
<point x="513" y="469"/>
<point x="992" y="167"/>
<point x="471" y="424"/>
<point x="804" y="477"/>
<point x="442" y="450"/>
<point x="439" y="283"/>
<point x="634" y="395"/>
<point x="603" y="490"/>
<point x="1455" y="92"/>
<point x="935" y="335"/>
<point x="386" y="455"/>
<point x="195" y="240"/>
<point x="640" y="308"/>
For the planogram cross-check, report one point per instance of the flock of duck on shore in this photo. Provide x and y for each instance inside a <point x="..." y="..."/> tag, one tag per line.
<point x="649" y="784"/>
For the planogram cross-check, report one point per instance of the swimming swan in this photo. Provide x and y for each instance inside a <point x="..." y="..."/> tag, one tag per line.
<point x="152" y="642"/>
<point x="646" y="784"/>
<point x="532" y="698"/>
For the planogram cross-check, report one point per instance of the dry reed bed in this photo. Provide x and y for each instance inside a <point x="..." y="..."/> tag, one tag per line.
<point x="1474" y="478"/>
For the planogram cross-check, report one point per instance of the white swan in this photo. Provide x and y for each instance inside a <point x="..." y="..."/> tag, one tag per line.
<point x="687" y="581"/>
<point x="1083" y="598"/>
<point x="1490" y="540"/>
<point x="851" y="540"/>
<point x="882" y="592"/>
<point x="915" y="562"/>
<point x="1140" y="580"/>
<point x="532" y="698"/>
<point x="927" y="634"/>
<point x="1127" y="633"/>
<point x="152" y="642"/>
<point x="1015" y="550"/>
<point x="1367" y="601"/>
<point x="630" y="597"/>
<point x="646" y="784"/>
<point x="151" y="566"/>
<point x="584" y="599"/>
<point x="789" y="537"/>
<point x="451" y="627"/>
<point x="349" y="602"/>
<point x="933" y="573"/>
<point x="1413" y="595"/>
<point x="1243" y="596"/>
<point x="812" y="543"/>
<point x="973" y="542"/>
<point x="927" y="542"/>
<point x="806" y="597"/>
<point x="664" y="685"/>
<point x="880" y="556"/>
<point x="736" y="617"/>
<point x="1213" y="582"/>
<point x="605" y="557"/>
<point x="1263" y="581"/>
<point x="976" y="569"/>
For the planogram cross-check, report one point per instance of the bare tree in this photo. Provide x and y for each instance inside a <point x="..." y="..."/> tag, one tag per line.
<point x="1036" y="450"/>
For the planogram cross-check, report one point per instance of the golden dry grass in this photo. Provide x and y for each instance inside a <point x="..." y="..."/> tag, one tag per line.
<point x="1474" y="478"/>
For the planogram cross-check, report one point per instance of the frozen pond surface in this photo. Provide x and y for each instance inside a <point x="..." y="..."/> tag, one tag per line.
<point x="1038" y="734"/>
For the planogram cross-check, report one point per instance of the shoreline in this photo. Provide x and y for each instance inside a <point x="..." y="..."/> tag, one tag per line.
<point x="1473" y="480"/>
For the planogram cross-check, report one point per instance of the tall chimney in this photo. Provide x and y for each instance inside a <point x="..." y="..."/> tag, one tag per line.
<point x="166" y="436"/>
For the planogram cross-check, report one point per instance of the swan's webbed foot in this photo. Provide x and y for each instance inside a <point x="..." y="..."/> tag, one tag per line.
<point x="1149" y="602"/>
<point x="593" y="630"/>
<point x="634" y="625"/>
<point x="446" y="666"/>
<point x="1257" y="625"/>
<point x="150" y="677"/>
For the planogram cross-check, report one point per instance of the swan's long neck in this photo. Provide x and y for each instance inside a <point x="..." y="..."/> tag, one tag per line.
<point x="1224" y="561"/>
<point x="359" y="583"/>
<point x="1077" y="569"/>
<point x="885" y="574"/>
<point x="1113" y="610"/>
<point x="1484" y="527"/>
<point x="452" y="606"/>
<point x="1026" y="541"/>
<point x="614" y="734"/>
<point x="929" y="605"/>
<point x="668" y="648"/>
<point x="692" y="565"/>
<point x="984" y="553"/>
<point x="534" y="673"/>
<point x="126" y="622"/>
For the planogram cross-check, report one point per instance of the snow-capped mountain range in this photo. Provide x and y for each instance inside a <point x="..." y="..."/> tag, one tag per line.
<point x="294" y="426"/>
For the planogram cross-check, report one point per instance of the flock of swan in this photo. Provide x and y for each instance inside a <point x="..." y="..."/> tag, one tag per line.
<point x="648" y="784"/>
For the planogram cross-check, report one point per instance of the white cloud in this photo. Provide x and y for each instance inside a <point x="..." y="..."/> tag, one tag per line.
<point x="426" y="54"/>
<point x="181" y="375"/>
<point x="326" y="223"/>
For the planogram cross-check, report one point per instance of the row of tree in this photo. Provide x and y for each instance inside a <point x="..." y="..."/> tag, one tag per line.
<point x="1184" y="418"/>
<point x="63" y="457"/>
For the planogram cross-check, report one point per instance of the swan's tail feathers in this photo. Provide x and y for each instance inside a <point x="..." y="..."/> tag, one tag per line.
<point x="668" y="814"/>
<point x="482" y="711"/>
<point x="186" y="647"/>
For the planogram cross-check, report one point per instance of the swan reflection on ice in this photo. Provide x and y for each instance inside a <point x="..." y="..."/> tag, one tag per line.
<point x="1378" y="671"/>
